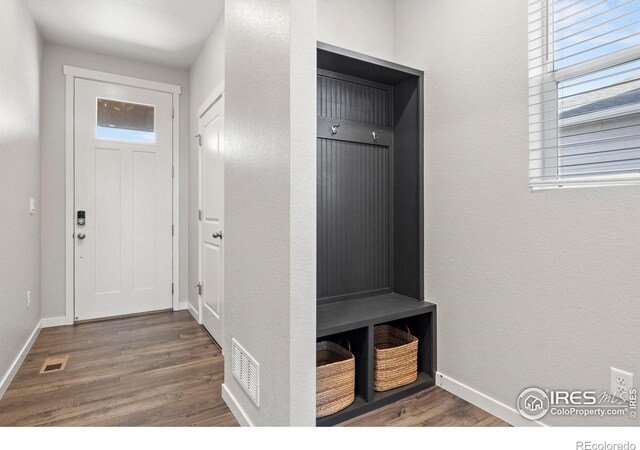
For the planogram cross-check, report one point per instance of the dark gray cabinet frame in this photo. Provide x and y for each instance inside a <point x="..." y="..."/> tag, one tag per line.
<point x="405" y="140"/>
<point x="353" y="315"/>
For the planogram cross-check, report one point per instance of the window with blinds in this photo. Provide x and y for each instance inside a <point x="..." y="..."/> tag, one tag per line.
<point x="584" y="92"/>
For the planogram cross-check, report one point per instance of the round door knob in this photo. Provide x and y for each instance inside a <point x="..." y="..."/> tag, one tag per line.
<point x="81" y="235"/>
<point x="217" y="235"/>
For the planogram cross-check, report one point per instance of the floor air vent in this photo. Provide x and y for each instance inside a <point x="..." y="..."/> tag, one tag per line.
<point x="246" y="371"/>
<point x="54" y="364"/>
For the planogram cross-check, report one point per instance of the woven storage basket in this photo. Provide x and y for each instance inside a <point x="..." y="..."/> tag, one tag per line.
<point x="395" y="358"/>
<point x="335" y="378"/>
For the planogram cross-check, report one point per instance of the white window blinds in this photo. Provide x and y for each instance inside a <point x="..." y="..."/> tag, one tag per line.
<point x="584" y="92"/>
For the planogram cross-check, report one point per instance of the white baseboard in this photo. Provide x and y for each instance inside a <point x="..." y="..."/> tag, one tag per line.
<point x="235" y="408"/>
<point x="48" y="322"/>
<point x="194" y="312"/>
<point x="13" y="369"/>
<point x="184" y="304"/>
<point x="484" y="402"/>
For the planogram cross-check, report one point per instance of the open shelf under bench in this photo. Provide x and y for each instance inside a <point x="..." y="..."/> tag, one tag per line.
<point x="354" y="320"/>
<point x="360" y="406"/>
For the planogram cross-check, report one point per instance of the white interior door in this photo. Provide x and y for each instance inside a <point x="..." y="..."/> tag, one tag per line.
<point x="123" y="187"/>
<point x="211" y="128"/>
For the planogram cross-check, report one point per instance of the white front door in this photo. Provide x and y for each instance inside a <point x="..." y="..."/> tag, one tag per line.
<point x="123" y="199"/>
<point x="211" y="128"/>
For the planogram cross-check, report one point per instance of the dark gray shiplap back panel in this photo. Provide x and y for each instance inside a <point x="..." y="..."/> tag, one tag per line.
<point x="341" y="99"/>
<point x="354" y="195"/>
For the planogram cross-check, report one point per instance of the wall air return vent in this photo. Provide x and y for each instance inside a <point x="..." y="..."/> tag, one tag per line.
<point x="246" y="371"/>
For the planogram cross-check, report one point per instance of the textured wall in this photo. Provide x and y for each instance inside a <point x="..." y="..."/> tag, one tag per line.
<point x="205" y="75"/>
<point x="53" y="161"/>
<point x="364" y="26"/>
<point x="270" y="203"/>
<point x="302" y="188"/>
<point x="533" y="289"/>
<point x="20" y="68"/>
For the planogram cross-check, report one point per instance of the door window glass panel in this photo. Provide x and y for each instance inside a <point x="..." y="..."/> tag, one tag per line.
<point x="122" y="121"/>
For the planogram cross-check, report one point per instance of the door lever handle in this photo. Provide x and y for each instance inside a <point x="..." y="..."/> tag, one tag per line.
<point x="81" y="235"/>
<point x="217" y="235"/>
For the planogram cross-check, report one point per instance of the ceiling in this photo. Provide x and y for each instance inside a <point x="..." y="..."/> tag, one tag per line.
<point x="168" y="32"/>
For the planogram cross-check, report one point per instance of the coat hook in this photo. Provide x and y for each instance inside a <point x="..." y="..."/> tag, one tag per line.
<point x="375" y="136"/>
<point x="334" y="129"/>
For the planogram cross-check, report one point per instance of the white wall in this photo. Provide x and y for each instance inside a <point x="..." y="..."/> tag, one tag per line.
<point x="365" y="26"/>
<point x="205" y="75"/>
<point x="270" y="179"/>
<point x="302" y="211"/>
<point x="533" y="289"/>
<point x="53" y="161"/>
<point x="20" y="68"/>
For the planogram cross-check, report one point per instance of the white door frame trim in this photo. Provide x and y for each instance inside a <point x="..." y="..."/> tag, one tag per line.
<point x="211" y="99"/>
<point x="71" y="73"/>
<point x="215" y="95"/>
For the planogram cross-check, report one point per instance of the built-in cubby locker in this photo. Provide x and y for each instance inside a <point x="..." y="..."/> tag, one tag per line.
<point x="423" y="327"/>
<point x="358" y="340"/>
<point x="422" y="324"/>
<point x="370" y="215"/>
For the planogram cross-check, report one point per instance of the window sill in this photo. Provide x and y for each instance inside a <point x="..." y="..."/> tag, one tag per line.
<point x="583" y="182"/>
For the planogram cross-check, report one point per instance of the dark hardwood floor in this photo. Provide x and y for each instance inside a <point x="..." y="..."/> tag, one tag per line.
<point x="158" y="369"/>
<point x="163" y="369"/>
<point x="433" y="407"/>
